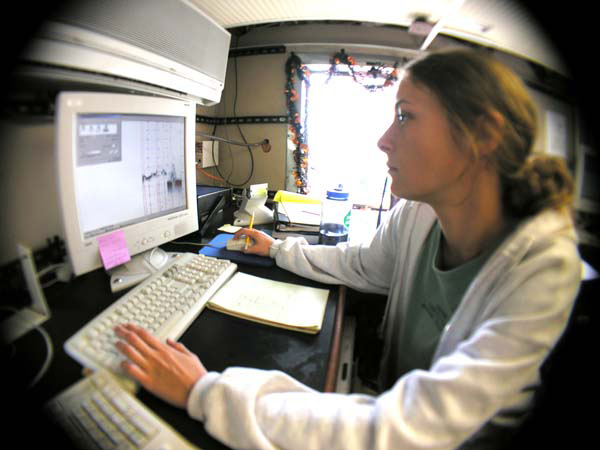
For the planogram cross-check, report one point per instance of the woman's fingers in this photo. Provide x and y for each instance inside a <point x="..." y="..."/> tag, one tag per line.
<point x="140" y="336"/>
<point x="169" y="370"/>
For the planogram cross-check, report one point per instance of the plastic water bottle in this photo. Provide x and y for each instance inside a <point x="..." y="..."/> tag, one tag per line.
<point x="335" y="217"/>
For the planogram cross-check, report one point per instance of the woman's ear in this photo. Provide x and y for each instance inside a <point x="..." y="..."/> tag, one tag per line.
<point x="490" y="132"/>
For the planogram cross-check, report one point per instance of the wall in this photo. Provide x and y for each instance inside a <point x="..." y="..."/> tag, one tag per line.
<point x="261" y="81"/>
<point x="28" y="192"/>
<point x="260" y="92"/>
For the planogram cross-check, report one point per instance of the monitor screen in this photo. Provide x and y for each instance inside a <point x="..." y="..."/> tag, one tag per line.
<point x="129" y="168"/>
<point x="125" y="163"/>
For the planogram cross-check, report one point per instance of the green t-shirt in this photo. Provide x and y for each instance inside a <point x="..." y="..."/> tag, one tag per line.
<point x="435" y="296"/>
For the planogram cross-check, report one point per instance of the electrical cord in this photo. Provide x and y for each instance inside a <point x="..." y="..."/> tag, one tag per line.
<point x="48" y="360"/>
<point x="50" y="268"/>
<point x="197" y="244"/>
<point x="49" y="352"/>
<point x="235" y="68"/>
<point x="231" y="158"/>
<point x="264" y="143"/>
<point x="210" y="175"/>
<point x="212" y="150"/>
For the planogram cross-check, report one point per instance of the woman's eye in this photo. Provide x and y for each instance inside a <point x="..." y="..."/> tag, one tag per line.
<point x="402" y="117"/>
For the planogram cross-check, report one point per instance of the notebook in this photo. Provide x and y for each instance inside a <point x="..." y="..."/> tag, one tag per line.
<point x="275" y="303"/>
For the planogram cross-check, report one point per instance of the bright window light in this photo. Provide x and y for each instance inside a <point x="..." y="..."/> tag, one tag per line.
<point x="344" y="123"/>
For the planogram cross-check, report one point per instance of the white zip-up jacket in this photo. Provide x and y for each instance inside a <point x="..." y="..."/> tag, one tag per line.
<point x="483" y="370"/>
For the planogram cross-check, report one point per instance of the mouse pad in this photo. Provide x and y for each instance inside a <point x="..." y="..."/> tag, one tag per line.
<point x="218" y="250"/>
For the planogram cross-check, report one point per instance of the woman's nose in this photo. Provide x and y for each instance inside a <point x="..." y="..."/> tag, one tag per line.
<point x="384" y="143"/>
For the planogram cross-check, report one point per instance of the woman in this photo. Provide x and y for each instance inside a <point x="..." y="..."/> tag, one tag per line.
<point x="479" y="263"/>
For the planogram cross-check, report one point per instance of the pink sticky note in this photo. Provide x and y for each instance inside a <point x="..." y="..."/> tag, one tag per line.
<point x="113" y="249"/>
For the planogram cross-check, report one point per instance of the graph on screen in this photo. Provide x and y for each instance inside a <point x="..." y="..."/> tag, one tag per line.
<point x="163" y="166"/>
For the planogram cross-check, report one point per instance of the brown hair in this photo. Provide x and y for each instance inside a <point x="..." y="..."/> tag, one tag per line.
<point x="471" y="85"/>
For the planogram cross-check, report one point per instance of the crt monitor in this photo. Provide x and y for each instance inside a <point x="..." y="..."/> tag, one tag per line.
<point x="126" y="172"/>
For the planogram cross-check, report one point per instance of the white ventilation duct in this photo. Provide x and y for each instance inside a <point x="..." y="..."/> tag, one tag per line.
<point x="167" y="47"/>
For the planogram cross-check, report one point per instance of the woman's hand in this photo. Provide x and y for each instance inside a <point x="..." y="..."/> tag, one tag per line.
<point x="262" y="241"/>
<point x="169" y="370"/>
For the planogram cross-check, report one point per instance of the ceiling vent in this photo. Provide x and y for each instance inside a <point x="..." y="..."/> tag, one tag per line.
<point x="162" y="46"/>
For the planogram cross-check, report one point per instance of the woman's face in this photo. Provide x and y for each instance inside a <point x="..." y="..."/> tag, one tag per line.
<point x="425" y="163"/>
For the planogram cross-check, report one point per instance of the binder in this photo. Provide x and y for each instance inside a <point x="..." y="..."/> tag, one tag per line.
<point x="296" y="215"/>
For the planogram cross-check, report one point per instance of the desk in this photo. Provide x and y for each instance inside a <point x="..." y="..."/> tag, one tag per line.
<point x="220" y="341"/>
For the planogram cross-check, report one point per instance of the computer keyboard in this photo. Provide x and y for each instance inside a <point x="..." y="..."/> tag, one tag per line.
<point x="97" y="412"/>
<point x="166" y="304"/>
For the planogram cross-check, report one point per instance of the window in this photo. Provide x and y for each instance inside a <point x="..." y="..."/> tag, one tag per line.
<point x="344" y="121"/>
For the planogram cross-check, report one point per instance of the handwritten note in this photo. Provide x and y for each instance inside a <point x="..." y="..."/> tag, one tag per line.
<point x="272" y="302"/>
<point x="113" y="249"/>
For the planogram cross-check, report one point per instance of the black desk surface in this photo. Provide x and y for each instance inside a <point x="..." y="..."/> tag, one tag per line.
<point x="219" y="340"/>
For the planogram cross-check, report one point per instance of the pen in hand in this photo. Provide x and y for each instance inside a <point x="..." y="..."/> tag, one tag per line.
<point x="248" y="237"/>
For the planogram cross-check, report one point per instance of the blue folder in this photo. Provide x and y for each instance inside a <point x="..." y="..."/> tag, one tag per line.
<point x="217" y="248"/>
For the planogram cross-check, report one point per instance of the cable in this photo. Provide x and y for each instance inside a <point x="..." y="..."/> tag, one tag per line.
<point x="49" y="349"/>
<point x="197" y="244"/>
<point x="235" y="115"/>
<point x="49" y="355"/>
<point x="50" y="268"/>
<point x="209" y="175"/>
<point x="264" y="143"/>
<point x="49" y="283"/>
<point x="231" y="158"/>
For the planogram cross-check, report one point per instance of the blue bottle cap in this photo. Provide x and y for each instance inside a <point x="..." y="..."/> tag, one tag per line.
<point x="338" y="193"/>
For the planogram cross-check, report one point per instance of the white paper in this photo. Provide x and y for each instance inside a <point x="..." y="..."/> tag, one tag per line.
<point x="283" y="303"/>
<point x="228" y="228"/>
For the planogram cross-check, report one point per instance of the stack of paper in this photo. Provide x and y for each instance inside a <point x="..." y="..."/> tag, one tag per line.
<point x="297" y="213"/>
<point x="274" y="303"/>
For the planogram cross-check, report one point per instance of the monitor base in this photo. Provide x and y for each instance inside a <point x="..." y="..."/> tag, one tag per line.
<point x="139" y="268"/>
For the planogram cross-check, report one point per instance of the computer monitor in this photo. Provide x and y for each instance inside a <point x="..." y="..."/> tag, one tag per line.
<point x="587" y="174"/>
<point x="126" y="169"/>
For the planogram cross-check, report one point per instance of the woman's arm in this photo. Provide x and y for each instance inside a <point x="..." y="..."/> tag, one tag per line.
<point x="440" y="408"/>
<point x="366" y="267"/>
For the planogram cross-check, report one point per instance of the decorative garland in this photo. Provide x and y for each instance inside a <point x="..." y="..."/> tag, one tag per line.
<point x="377" y="71"/>
<point x="296" y="134"/>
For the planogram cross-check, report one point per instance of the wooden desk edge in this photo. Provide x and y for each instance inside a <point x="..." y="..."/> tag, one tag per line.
<point x="334" y="354"/>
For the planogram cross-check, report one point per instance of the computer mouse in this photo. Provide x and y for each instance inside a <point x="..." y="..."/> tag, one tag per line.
<point x="238" y="245"/>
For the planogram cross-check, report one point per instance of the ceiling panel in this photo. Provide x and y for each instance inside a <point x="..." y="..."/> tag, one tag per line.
<point x="503" y="24"/>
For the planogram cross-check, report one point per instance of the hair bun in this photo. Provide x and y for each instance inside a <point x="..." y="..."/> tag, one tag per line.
<point x="542" y="182"/>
